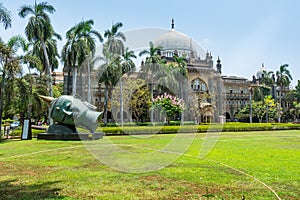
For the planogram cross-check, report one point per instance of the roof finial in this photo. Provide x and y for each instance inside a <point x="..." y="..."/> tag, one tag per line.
<point x="172" y="23"/>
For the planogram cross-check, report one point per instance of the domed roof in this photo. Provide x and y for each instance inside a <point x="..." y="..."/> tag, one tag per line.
<point x="260" y="72"/>
<point x="173" y="40"/>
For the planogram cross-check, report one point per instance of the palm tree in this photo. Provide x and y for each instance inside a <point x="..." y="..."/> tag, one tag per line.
<point x="296" y="110"/>
<point x="127" y="66"/>
<point x="80" y="44"/>
<point x="115" y="39"/>
<point x="108" y="73"/>
<point x="11" y="66"/>
<point x="167" y="79"/>
<point x="5" y="17"/>
<point x="283" y="80"/>
<point x="115" y="46"/>
<point x="152" y="64"/>
<point x="269" y="81"/>
<point x="255" y="94"/>
<point x="182" y="75"/>
<point x="5" y="55"/>
<point x="297" y="91"/>
<point x="52" y="51"/>
<point x="39" y="28"/>
<point x="258" y="92"/>
<point x="127" y="63"/>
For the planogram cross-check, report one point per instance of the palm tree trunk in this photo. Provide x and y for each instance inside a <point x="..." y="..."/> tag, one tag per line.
<point x="48" y="69"/>
<point x="152" y="111"/>
<point x="181" y="96"/>
<point x="279" y="112"/>
<point x="121" y="101"/>
<point x="48" y="72"/>
<point x="105" y="104"/>
<point x="1" y="101"/>
<point x="80" y="82"/>
<point x="69" y="80"/>
<point x="89" y="98"/>
<point x="74" y="81"/>
<point x="251" y="111"/>
<point x="267" y="113"/>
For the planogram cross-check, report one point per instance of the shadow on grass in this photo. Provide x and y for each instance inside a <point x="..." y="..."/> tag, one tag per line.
<point x="11" y="189"/>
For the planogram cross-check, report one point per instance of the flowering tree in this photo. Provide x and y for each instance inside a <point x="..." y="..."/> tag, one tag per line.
<point x="169" y="104"/>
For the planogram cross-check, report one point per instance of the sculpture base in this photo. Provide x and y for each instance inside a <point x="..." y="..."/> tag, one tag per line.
<point x="61" y="129"/>
<point x="69" y="136"/>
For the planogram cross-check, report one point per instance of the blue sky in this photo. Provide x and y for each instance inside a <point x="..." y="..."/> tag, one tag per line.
<point x="244" y="34"/>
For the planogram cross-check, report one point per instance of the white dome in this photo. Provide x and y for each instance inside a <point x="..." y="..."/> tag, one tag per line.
<point x="260" y="72"/>
<point x="173" y="40"/>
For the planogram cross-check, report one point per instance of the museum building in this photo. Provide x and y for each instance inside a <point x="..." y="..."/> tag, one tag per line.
<point x="212" y="93"/>
<point x="217" y="94"/>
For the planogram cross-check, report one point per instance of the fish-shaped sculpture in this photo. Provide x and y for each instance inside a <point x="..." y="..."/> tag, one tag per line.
<point x="73" y="111"/>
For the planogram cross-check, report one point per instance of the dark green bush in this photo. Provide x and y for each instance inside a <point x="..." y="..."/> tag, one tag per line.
<point x="228" y="127"/>
<point x="172" y="123"/>
<point x="18" y="132"/>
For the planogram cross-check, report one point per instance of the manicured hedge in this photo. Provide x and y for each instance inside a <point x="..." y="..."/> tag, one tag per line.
<point x="172" y="123"/>
<point x="228" y="127"/>
<point x="18" y="132"/>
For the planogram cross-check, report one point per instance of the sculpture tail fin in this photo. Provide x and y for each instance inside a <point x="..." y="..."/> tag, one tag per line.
<point x="47" y="99"/>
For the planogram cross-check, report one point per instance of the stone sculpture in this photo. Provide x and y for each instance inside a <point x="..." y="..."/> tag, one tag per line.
<point x="68" y="112"/>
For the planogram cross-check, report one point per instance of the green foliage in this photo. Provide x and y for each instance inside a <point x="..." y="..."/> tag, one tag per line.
<point x="115" y="39"/>
<point x="261" y="110"/>
<point x="139" y="99"/>
<point x="8" y="120"/>
<point x="297" y="91"/>
<point x="228" y="127"/>
<point x="5" y="16"/>
<point x="18" y="132"/>
<point x="58" y="90"/>
<point x="169" y="105"/>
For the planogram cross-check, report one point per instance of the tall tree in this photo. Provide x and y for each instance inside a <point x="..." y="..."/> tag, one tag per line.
<point x="81" y="42"/>
<point x="152" y="64"/>
<point x="283" y="80"/>
<point x="108" y="73"/>
<point x="269" y="81"/>
<point x="5" y="17"/>
<point x="127" y="66"/>
<point x="115" y="39"/>
<point x="182" y="75"/>
<point x="39" y="28"/>
<point x="10" y="64"/>
<point x="297" y="91"/>
<point x="166" y="79"/>
<point x="115" y="46"/>
<point x="52" y="51"/>
<point x="5" y="57"/>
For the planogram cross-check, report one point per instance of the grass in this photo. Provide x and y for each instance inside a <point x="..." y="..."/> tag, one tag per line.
<point x="40" y="169"/>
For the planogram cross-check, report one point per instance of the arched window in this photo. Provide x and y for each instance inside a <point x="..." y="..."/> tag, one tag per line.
<point x="198" y="85"/>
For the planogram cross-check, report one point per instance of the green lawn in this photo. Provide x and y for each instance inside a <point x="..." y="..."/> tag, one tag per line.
<point x="256" y="165"/>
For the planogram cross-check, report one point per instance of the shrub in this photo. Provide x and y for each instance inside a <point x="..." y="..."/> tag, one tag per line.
<point x="18" y="132"/>
<point x="228" y="127"/>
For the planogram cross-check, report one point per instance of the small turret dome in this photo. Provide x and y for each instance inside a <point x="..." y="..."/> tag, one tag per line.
<point x="260" y="72"/>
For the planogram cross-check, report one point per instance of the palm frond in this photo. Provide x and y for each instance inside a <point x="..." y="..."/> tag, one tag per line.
<point x="5" y="17"/>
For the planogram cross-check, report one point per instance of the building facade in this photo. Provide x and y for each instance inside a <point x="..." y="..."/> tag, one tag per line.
<point x="218" y="94"/>
<point x="209" y="93"/>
